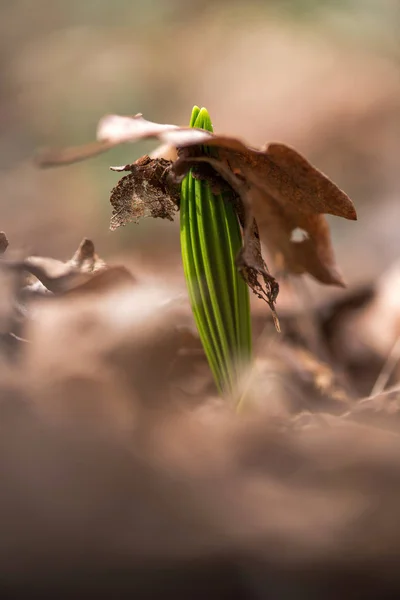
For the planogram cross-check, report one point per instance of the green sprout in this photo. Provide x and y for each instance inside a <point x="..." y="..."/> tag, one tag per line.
<point x="210" y="240"/>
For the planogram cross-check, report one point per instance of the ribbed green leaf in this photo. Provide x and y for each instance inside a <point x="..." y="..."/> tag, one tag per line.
<point x="210" y="241"/>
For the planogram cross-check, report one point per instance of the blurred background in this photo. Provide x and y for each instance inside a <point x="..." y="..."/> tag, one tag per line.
<point x="93" y="474"/>
<point x="321" y="76"/>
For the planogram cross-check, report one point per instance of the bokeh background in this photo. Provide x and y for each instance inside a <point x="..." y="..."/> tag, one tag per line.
<point x="114" y="446"/>
<point x="323" y="76"/>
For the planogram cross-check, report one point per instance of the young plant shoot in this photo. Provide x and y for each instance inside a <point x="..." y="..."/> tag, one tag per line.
<point x="211" y="240"/>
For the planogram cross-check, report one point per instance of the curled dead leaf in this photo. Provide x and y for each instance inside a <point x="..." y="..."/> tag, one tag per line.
<point x="48" y="275"/>
<point x="284" y="193"/>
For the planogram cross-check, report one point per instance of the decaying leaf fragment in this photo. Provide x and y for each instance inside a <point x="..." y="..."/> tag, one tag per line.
<point x="145" y="192"/>
<point x="277" y="188"/>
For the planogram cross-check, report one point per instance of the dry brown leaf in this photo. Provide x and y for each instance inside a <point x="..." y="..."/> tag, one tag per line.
<point x="285" y="194"/>
<point x="278" y="187"/>
<point x="57" y="276"/>
<point x="54" y="276"/>
<point x="145" y="192"/>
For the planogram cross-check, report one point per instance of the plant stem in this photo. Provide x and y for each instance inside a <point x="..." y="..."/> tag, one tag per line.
<point x="210" y="241"/>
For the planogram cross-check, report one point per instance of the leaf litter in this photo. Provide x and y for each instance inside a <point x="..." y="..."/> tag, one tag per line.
<point x="275" y="191"/>
<point x="36" y="277"/>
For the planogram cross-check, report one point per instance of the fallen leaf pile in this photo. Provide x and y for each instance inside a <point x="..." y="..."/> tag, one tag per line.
<point x="84" y="288"/>
<point x="119" y="462"/>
